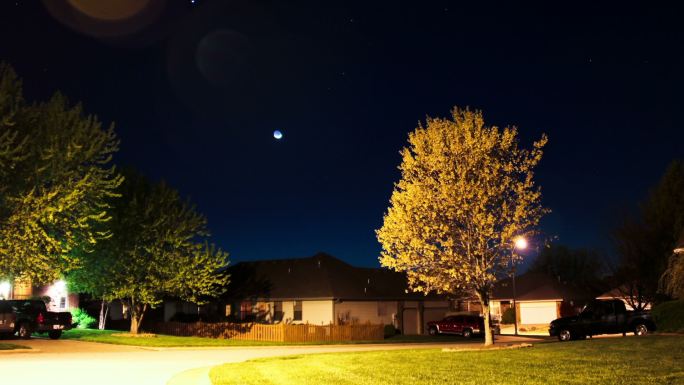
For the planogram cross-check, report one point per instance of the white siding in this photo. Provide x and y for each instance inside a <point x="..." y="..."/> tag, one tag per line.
<point x="366" y="311"/>
<point x="288" y="311"/>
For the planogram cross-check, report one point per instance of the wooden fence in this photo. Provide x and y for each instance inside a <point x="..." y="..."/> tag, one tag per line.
<point x="265" y="332"/>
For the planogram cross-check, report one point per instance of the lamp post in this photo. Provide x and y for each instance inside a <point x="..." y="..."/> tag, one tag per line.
<point x="520" y="244"/>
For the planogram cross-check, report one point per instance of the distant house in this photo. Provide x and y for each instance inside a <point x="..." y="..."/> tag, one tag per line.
<point x="539" y="299"/>
<point x="628" y="295"/>
<point x="324" y="290"/>
<point x="57" y="295"/>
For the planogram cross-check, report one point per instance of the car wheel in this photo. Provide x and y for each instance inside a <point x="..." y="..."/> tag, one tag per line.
<point x="640" y="330"/>
<point x="564" y="335"/>
<point x="433" y="331"/>
<point x="24" y="331"/>
<point x="54" y="334"/>
<point x="467" y="333"/>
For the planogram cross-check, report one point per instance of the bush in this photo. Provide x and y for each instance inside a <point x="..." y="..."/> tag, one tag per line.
<point x="508" y="317"/>
<point x="81" y="319"/>
<point x="390" y="331"/>
<point x="669" y="316"/>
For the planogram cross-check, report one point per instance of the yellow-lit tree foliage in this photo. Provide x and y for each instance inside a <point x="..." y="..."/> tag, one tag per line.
<point x="466" y="192"/>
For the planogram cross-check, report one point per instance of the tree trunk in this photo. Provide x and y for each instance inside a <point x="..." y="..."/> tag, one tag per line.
<point x="137" y="314"/>
<point x="484" y="301"/>
<point x="104" y="311"/>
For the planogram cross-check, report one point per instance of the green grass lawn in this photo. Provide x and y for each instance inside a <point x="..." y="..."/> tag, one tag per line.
<point x="645" y="360"/>
<point x="106" y="336"/>
<point x="4" y="346"/>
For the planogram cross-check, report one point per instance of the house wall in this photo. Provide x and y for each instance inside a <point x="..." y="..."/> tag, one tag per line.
<point x="375" y="312"/>
<point x="173" y="307"/>
<point x="288" y="310"/>
<point x="626" y="302"/>
<point x="317" y="312"/>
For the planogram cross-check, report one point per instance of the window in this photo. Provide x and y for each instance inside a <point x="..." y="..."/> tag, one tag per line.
<point x="297" y="311"/>
<point x="277" y="311"/>
<point x="382" y="308"/>
<point x="229" y="310"/>
<point x="245" y="310"/>
<point x="62" y="303"/>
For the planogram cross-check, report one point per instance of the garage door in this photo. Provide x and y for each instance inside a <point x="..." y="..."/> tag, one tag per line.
<point x="537" y="312"/>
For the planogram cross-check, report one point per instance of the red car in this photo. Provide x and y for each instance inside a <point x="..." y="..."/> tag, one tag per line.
<point x="465" y="325"/>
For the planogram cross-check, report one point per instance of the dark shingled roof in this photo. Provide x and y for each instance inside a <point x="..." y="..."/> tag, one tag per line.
<point x="538" y="287"/>
<point x="319" y="277"/>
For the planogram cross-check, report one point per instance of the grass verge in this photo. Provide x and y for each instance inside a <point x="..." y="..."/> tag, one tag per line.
<point x="109" y="337"/>
<point x="644" y="360"/>
<point x="4" y="346"/>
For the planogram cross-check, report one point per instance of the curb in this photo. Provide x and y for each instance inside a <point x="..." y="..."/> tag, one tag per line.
<point x="487" y="349"/>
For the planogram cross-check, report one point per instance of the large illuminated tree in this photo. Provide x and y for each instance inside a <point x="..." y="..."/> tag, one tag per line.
<point x="56" y="177"/>
<point x="158" y="249"/>
<point x="466" y="192"/>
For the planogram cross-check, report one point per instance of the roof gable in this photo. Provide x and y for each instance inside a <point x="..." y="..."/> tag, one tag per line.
<point x="537" y="287"/>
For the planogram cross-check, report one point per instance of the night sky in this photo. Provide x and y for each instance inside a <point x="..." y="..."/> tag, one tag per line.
<point x="196" y="90"/>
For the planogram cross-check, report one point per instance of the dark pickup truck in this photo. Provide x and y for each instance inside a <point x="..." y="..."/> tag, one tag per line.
<point x="24" y="317"/>
<point x="602" y="317"/>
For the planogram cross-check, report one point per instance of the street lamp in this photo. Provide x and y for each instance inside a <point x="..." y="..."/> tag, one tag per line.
<point x="519" y="243"/>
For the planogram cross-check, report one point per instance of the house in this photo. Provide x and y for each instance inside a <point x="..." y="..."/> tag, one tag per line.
<point x="539" y="299"/>
<point x="57" y="295"/>
<point x="324" y="290"/>
<point x="627" y="294"/>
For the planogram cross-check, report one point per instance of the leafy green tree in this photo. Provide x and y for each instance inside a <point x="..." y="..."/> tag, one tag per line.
<point x="466" y="192"/>
<point x="645" y="242"/>
<point x="56" y="177"/>
<point x="158" y="248"/>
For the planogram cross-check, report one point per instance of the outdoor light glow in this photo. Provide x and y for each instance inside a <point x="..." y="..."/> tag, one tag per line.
<point x="277" y="134"/>
<point x="521" y="243"/>
<point x="60" y="284"/>
<point x="4" y="289"/>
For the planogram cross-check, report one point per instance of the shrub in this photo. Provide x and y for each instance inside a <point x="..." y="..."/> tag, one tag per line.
<point x="508" y="317"/>
<point x="669" y="316"/>
<point x="390" y="331"/>
<point x="81" y="319"/>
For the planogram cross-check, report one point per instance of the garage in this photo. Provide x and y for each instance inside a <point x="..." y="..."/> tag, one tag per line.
<point x="534" y="313"/>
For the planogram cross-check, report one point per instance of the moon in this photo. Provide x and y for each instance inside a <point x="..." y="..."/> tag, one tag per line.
<point x="277" y="134"/>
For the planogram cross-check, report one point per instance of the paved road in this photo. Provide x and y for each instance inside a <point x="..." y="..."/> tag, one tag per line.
<point x="67" y="362"/>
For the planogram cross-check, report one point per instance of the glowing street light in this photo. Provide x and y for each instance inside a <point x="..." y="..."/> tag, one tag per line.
<point x="520" y="243"/>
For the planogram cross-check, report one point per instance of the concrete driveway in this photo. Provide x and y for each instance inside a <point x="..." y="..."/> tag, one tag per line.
<point x="67" y="362"/>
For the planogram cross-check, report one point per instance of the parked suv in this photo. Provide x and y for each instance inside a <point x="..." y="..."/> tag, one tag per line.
<point x="25" y="317"/>
<point x="465" y="325"/>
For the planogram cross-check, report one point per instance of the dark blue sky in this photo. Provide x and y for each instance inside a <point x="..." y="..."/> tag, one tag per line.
<point x="196" y="91"/>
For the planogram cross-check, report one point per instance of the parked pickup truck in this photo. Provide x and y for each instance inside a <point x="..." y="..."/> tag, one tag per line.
<point x="24" y="317"/>
<point x="602" y="317"/>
